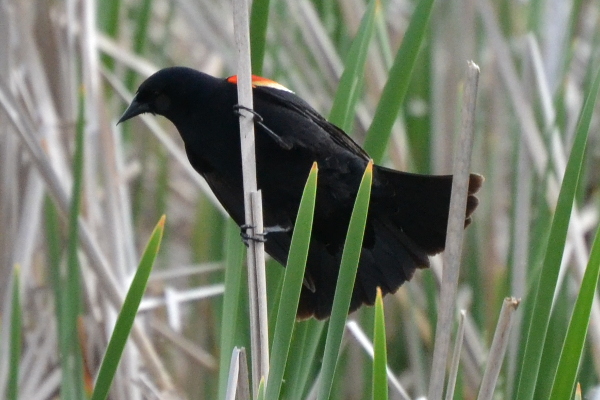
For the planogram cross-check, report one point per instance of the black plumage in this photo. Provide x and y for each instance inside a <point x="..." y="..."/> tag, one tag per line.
<point x="408" y="213"/>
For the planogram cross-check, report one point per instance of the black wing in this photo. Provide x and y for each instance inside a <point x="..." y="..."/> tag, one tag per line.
<point x="289" y="101"/>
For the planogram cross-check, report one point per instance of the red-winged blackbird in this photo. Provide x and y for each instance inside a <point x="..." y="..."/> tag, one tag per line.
<point x="408" y="213"/>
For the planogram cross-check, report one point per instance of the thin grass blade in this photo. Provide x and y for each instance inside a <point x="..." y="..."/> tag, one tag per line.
<point x="396" y="86"/>
<point x="126" y="317"/>
<point x="304" y="361"/>
<point x="234" y="374"/>
<point x="261" y="390"/>
<point x="350" y="86"/>
<point x="53" y="243"/>
<point x="294" y="363"/>
<point x="292" y="284"/>
<point x="71" y="362"/>
<point x="380" y="380"/>
<point x="454" y="236"/>
<point x="235" y="325"/>
<point x="498" y="349"/>
<point x="572" y="351"/>
<point x="538" y="328"/>
<point x="238" y="381"/>
<point x="345" y="283"/>
<point x="15" y="337"/>
<point x="108" y="22"/>
<point x="259" y="20"/>
<point x="453" y="374"/>
<point x="140" y="36"/>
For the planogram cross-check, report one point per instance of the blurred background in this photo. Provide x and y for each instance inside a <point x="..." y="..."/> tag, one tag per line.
<point x="69" y="68"/>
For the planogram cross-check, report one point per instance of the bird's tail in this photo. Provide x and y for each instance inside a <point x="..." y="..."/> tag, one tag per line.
<point x="408" y="217"/>
<point x="419" y="205"/>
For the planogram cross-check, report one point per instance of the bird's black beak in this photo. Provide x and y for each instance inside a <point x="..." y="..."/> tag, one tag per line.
<point x="135" y="108"/>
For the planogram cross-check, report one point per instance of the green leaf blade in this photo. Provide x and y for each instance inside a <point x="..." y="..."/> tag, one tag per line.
<point x="306" y="343"/>
<point x="572" y="351"/>
<point x="292" y="285"/>
<point x="396" y="86"/>
<point x="345" y="283"/>
<point x="235" y="325"/>
<point x="380" y="385"/>
<point x="127" y="315"/>
<point x="259" y="20"/>
<point x="558" y="233"/>
<point x="71" y="362"/>
<point x="349" y="89"/>
<point x="16" y="324"/>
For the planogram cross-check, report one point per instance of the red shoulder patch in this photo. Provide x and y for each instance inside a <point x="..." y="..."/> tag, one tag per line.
<point x="260" y="81"/>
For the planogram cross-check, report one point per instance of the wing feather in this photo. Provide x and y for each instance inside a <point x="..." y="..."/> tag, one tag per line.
<point x="290" y="101"/>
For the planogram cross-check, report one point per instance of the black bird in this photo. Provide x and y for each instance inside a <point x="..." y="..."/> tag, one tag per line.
<point x="408" y="213"/>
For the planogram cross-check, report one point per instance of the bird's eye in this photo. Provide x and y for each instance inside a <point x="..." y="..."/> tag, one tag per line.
<point x="162" y="102"/>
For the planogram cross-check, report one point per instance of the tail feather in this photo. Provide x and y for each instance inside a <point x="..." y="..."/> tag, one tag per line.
<point x="407" y="223"/>
<point x="391" y="261"/>
<point x="419" y="205"/>
<point x="388" y="262"/>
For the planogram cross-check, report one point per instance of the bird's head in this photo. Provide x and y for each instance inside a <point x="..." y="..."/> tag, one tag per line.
<point x="168" y="92"/>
